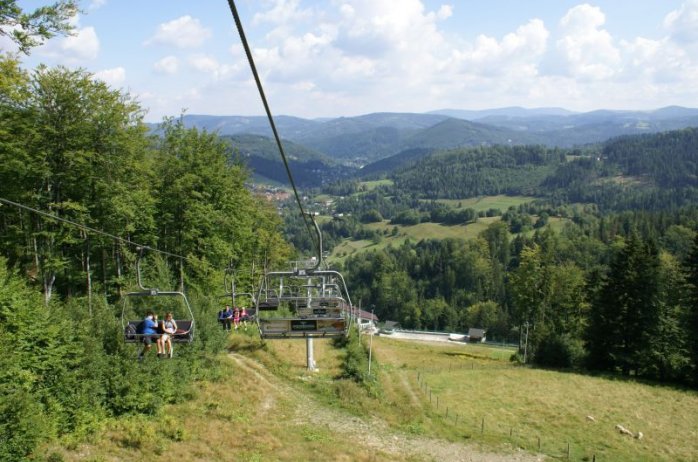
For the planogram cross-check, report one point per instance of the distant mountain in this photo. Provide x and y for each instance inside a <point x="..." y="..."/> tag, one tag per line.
<point x="263" y="146"/>
<point x="361" y="141"/>
<point x="651" y="172"/>
<point x="505" y="112"/>
<point x="287" y="126"/>
<point x="309" y="168"/>
<point x="453" y="133"/>
<point x="450" y="133"/>
<point x="384" y="135"/>
<point x="400" y="160"/>
<point x="569" y="129"/>
<point x="365" y="138"/>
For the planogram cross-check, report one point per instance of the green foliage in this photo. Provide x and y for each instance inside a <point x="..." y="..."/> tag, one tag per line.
<point x="72" y="147"/>
<point x="30" y="29"/>
<point x="355" y="364"/>
<point x="625" y="313"/>
<point x="560" y="351"/>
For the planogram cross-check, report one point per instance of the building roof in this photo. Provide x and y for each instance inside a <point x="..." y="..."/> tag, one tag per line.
<point x="368" y="315"/>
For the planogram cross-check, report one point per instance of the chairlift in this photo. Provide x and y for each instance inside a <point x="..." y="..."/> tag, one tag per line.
<point x="153" y="299"/>
<point x="306" y="301"/>
<point x="231" y="292"/>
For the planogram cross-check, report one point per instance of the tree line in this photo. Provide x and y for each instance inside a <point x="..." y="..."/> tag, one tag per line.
<point x="605" y="294"/>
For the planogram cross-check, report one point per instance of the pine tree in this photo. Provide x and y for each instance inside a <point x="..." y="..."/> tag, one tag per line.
<point x="626" y="312"/>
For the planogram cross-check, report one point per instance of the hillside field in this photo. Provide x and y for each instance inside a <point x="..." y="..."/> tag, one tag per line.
<point x="267" y="407"/>
<point x="423" y="231"/>
<point x="484" y="203"/>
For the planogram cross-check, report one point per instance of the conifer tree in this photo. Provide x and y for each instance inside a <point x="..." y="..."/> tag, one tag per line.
<point x="625" y="314"/>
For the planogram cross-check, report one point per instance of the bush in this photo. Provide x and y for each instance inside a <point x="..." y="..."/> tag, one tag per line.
<point x="355" y="365"/>
<point x="560" y="351"/>
<point x="22" y="426"/>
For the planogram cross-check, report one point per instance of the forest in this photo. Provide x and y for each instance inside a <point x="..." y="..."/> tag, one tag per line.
<point x="612" y="288"/>
<point x="81" y="182"/>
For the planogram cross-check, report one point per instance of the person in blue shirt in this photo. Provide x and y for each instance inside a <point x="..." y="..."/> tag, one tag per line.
<point x="225" y="317"/>
<point x="149" y="332"/>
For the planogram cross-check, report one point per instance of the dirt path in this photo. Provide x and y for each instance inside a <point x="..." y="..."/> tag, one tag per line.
<point x="375" y="433"/>
<point x="408" y="387"/>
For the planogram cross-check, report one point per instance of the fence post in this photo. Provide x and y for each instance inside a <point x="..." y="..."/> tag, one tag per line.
<point x="437" y="402"/>
<point x="482" y="428"/>
<point x="539" y="443"/>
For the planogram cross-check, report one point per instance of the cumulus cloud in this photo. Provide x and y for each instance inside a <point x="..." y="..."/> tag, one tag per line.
<point x="356" y="56"/>
<point x="586" y="48"/>
<point x="517" y="52"/>
<point x="78" y="48"/>
<point x="282" y="11"/>
<point x="168" y="65"/>
<point x="183" y="32"/>
<point x="682" y="24"/>
<point x="112" y="77"/>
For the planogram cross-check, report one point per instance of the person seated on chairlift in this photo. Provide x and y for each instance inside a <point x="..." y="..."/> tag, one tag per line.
<point x="169" y="328"/>
<point x="149" y="332"/>
<point x="225" y="317"/>
<point x="236" y="317"/>
<point x="244" y="317"/>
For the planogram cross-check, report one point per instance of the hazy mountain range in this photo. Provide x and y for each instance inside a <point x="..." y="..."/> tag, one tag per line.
<point x="337" y="147"/>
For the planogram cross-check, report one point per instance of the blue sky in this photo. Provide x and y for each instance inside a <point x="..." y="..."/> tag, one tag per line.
<point x="349" y="57"/>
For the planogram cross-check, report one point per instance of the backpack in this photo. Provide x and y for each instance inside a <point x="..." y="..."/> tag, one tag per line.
<point x="131" y="331"/>
<point x="140" y="327"/>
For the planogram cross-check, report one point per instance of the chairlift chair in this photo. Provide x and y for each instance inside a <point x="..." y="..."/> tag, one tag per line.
<point x="134" y="302"/>
<point x="309" y="305"/>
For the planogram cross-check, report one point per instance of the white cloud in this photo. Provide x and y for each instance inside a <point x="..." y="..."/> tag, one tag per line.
<point x="183" y="32"/>
<point x="96" y="4"/>
<point x="517" y="53"/>
<point x="112" y="77"/>
<point x="78" y="48"/>
<point x="283" y="11"/>
<point x="586" y="48"/>
<point x="204" y="64"/>
<point x="445" y="12"/>
<point x="167" y="65"/>
<point x="347" y="57"/>
<point x="683" y="23"/>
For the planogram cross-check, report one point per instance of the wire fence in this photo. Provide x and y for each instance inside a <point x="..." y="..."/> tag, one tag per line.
<point x="517" y="435"/>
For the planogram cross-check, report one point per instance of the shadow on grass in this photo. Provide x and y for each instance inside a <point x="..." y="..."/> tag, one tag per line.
<point x="471" y="356"/>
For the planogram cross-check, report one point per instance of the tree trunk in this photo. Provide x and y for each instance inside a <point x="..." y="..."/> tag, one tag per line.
<point x="117" y="256"/>
<point x="49" y="280"/>
<point x="88" y="272"/>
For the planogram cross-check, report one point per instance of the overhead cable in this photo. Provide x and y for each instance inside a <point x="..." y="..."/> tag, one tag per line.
<point x="88" y="228"/>
<point x="246" y="46"/>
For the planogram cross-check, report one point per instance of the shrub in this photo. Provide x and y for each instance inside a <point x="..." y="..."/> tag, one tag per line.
<point x="559" y="351"/>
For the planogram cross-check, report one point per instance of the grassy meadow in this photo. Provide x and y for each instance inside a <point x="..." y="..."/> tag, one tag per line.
<point x="437" y="401"/>
<point x="531" y="408"/>
<point x="423" y="231"/>
<point x="484" y="203"/>
<point x="436" y="230"/>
